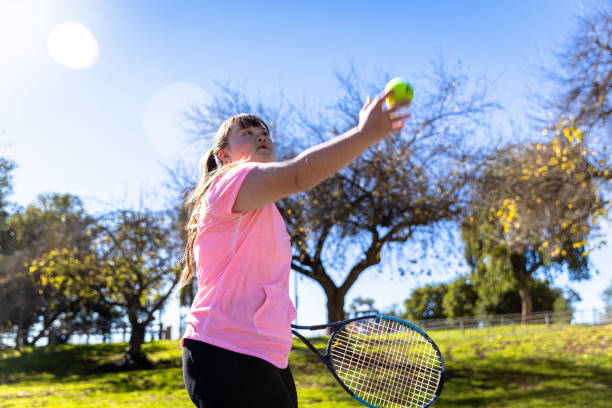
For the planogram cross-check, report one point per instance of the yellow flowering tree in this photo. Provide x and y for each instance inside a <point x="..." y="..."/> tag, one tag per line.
<point x="131" y="266"/>
<point x="52" y="221"/>
<point x="537" y="207"/>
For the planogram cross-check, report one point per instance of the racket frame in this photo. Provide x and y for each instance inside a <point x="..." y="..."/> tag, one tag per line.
<point x="337" y="326"/>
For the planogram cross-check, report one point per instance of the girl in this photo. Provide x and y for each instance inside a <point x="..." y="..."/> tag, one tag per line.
<point x="238" y="336"/>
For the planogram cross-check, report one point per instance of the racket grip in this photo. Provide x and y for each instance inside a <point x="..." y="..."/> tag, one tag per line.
<point x="317" y="327"/>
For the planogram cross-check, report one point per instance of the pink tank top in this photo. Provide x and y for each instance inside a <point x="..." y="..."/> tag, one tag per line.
<point x="242" y="264"/>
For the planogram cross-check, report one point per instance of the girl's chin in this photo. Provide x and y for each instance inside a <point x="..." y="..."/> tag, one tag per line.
<point x="264" y="155"/>
<point x="260" y="158"/>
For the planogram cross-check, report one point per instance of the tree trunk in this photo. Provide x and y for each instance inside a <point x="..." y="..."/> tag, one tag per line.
<point x="526" y="302"/>
<point x="519" y="268"/>
<point x="19" y="338"/>
<point x="134" y="356"/>
<point x="335" y="304"/>
<point x="51" y="336"/>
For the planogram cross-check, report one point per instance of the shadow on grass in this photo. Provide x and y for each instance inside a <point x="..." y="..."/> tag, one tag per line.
<point x="66" y="360"/>
<point x="520" y="383"/>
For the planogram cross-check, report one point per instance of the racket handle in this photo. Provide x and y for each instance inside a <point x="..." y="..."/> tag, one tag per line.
<point x="317" y="327"/>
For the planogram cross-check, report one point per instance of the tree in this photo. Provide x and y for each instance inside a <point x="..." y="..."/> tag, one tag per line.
<point x="583" y="74"/>
<point x="132" y="265"/>
<point x="426" y="302"/>
<point x="606" y="296"/>
<point x="460" y="298"/>
<point x="53" y="221"/>
<point x="6" y="189"/>
<point x="395" y="191"/>
<point x="544" y="298"/>
<point x="535" y="207"/>
<point x="540" y="203"/>
<point x="6" y="166"/>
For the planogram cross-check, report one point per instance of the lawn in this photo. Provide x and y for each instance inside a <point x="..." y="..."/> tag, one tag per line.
<point x="570" y="366"/>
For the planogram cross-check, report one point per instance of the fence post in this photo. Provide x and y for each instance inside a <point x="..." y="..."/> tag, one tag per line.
<point x="461" y="326"/>
<point x="547" y="320"/>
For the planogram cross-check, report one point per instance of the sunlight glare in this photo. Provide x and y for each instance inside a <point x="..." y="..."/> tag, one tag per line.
<point x="73" y="45"/>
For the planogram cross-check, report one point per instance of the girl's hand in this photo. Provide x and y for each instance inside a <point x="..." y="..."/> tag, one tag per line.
<point x="376" y="122"/>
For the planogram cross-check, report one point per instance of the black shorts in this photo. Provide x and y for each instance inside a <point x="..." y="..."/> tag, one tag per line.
<point x="219" y="378"/>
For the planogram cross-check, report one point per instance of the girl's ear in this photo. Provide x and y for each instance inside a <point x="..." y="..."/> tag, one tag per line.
<point x="223" y="155"/>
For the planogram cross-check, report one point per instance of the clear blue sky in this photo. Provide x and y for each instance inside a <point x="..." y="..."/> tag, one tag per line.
<point x="88" y="131"/>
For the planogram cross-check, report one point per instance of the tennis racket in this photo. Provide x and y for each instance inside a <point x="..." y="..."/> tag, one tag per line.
<point x="382" y="361"/>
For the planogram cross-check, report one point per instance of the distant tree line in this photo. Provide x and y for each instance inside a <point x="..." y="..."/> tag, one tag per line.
<point x="462" y="297"/>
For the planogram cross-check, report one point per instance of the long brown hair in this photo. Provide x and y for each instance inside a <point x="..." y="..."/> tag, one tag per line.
<point x="211" y="167"/>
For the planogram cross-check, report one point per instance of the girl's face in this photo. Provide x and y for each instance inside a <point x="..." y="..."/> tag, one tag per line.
<point x="250" y="143"/>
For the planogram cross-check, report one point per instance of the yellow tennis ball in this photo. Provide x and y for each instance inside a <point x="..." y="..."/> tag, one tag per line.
<point x="402" y="91"/>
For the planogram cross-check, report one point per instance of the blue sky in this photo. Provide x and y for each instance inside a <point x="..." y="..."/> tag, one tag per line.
<point x="88" y="131"/>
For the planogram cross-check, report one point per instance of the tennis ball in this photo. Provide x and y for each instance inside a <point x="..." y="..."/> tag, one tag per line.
<point x="402" y="91"/>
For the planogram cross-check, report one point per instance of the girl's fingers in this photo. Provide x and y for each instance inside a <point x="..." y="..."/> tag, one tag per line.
<point x="403" y="116"/>
<point x="367" y="102"/>
<point x="397" y="125"/>
<point x="400" y="105"/>
<point x="380" y="98"/>
<point x="397" y="121"/>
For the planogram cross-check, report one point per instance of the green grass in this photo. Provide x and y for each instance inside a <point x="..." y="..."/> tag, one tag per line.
<point x="570" y="366"/>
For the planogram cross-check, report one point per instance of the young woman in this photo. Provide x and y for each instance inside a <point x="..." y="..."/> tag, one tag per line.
<point x="238" y="336"/>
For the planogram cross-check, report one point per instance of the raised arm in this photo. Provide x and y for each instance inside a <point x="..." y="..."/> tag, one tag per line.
<point x="270" y="182"/>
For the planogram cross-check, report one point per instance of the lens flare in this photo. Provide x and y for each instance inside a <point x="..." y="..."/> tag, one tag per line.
<point x="73" y="45"/>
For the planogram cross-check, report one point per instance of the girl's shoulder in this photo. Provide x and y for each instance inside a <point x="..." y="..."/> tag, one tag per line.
<point x="224" y="189"/>
<point x="234" y="174"/>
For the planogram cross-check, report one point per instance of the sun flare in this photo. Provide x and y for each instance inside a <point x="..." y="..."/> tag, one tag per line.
<point x="73" y="45"/>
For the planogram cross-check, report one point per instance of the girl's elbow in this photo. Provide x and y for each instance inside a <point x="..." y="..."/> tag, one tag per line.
<point x="301" y="183"/>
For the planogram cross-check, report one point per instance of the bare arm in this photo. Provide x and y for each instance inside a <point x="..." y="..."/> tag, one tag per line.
<point x="270" y="182"/>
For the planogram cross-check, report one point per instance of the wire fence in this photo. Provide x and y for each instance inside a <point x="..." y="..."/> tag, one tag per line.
<point x="117" y="333"/>
<point x="509" y="324"/>
<point x="471" y="326"/>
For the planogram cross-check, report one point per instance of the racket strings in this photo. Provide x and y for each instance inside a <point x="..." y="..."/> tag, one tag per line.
<point x="385" y="385"/>
<point x="386" y="363"/>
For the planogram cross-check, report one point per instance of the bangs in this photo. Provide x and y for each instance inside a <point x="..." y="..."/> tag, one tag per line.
<point x="247" y="120"/>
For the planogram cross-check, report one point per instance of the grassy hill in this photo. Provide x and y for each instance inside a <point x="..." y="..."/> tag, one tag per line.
<point x="570" y="366"/>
